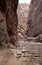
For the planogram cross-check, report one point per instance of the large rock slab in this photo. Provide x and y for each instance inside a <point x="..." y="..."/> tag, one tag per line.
<point x="35" y="18"/>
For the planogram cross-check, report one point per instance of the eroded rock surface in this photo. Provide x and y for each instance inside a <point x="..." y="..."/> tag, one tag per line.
<point x="4" y="38"/>
<point x="35" y="18"/>
<point x="9" y="9"/>
<point x="12" y="19"/>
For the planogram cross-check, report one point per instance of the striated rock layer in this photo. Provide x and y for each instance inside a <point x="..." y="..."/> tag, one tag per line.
<point x="35" y="18"/>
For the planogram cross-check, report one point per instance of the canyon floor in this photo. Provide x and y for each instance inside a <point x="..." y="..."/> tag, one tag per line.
<point x="27" y="53"/>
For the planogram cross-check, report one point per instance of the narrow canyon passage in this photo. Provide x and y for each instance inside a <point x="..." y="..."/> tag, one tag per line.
<point x="20" y="32"/>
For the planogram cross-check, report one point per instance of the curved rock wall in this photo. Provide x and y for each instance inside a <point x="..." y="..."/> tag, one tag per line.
<point x="35" y="18"/>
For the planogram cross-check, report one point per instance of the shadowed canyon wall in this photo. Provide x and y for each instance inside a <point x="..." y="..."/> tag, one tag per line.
<point x="12" y="19"/>
<point x="8" y="21"/>
<point x="34" y="27"/>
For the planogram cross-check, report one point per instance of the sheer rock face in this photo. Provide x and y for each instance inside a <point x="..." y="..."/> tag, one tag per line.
<point x="8" y="26"/>
<point x="11" y="19"/>
<point x="35" y="18"/>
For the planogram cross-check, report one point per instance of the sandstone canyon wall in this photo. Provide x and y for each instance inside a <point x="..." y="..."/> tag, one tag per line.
<point x="34" y="27"/>
<point x="8" y="21"/>
<point x="23" y="9"/>
<point x="12" y="19"/>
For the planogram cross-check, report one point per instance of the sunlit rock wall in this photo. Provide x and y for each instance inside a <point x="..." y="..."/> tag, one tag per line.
<point x="23" y="15"/>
